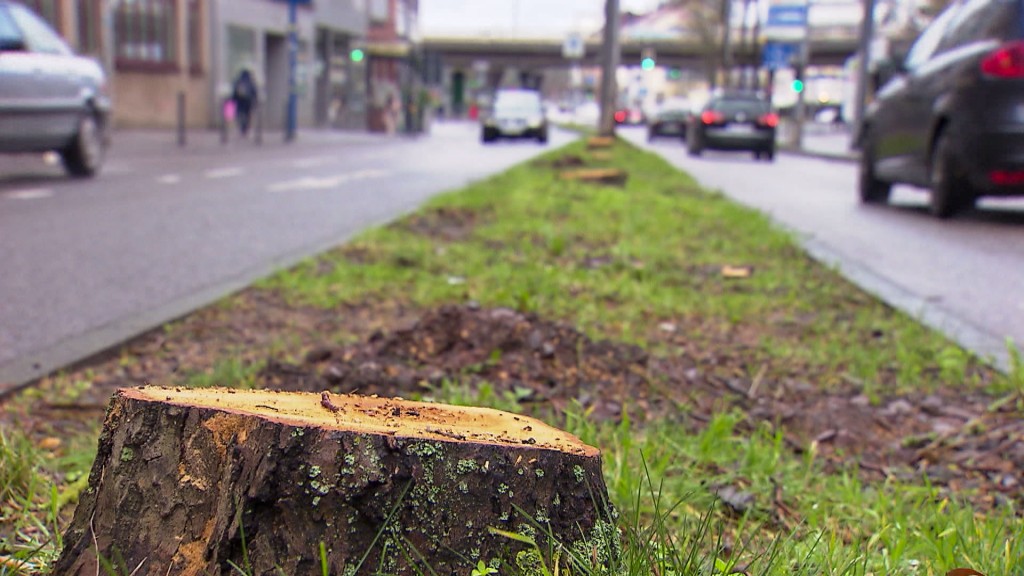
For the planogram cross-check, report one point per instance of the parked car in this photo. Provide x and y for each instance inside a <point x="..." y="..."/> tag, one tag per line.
<point x="50" y="99"/>
<point x="515" y="114"/>
<point x="670" y="119"/>
<point x="734" y="121"/>
<point x="950" y="117"/>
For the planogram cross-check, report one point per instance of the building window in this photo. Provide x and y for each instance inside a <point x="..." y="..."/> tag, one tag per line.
<point x="195" y="36"/>
<point x="89" y="28"/>
<point x="49" y="10"/>
<point x="145" y="34"/>
<point x="379" y="10"/>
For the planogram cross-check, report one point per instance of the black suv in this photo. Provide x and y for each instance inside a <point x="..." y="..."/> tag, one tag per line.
<point x="951" y="117"/>
<point x="734" y="121"/>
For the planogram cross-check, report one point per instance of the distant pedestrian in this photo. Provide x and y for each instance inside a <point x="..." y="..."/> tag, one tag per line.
<point x="244" y="94"/>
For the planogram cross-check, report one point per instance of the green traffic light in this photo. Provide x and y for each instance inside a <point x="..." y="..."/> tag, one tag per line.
<point x="356" y="55"/>
<point x="798" y="86"/>
<point x="647" y="63"/>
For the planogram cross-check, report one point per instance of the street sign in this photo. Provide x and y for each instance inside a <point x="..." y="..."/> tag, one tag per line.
<point x="785" y="15"/>
<point x="574" y="48"/>
<point x="786" y="22"/>
<point x="777" y="55"/>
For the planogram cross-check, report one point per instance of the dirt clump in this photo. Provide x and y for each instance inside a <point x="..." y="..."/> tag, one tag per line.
<point x="959" y="442"/>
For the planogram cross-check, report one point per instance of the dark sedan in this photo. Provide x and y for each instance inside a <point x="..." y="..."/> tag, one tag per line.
<point x="950" y="118"/>
<point x="670" y="120"/>
<point x="741" y="121"/>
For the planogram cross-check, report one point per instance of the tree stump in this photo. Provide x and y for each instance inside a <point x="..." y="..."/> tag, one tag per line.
<point x="606" y="176"/>
<point x="599" y="142"/>
<point x="191" y="481"/>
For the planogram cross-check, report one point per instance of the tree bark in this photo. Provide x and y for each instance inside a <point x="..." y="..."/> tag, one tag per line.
<point x="191" y="481"/>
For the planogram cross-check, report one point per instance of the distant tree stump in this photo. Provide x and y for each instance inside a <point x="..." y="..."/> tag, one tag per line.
<point x="599" y="142"/>
<point x="607" y="176"/>
<point x="187" y="481"/>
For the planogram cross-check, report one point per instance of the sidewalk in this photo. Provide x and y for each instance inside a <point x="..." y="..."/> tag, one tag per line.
<point x="826" y="141"/>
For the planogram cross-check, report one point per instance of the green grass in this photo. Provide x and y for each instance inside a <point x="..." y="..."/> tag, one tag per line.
<point x="616" y="263"/>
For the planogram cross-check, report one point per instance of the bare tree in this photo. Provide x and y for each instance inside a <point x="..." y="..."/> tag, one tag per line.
<point x="704" y="19"/>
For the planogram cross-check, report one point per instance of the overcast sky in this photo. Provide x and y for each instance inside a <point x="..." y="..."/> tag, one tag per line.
<point x="517" y="17"/>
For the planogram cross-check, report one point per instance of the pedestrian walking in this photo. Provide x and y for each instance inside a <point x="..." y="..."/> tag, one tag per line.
<point x="244" y="94"/>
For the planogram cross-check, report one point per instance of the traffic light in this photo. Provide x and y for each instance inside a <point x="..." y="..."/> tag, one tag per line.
<point x="356" y="55"/>
<point x="673" y="74"/>
<point x="798" y="85"/>
<point x="647" y="59"/>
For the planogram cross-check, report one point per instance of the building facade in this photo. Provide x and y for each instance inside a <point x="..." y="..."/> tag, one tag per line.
<point x="393" y="78"/>
<point x="161" y="53"/>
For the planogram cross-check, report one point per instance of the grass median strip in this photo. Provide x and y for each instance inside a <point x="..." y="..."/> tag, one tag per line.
<point x="751" y="404"/>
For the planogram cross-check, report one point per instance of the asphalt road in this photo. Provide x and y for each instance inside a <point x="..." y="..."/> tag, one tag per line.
<point x="88" y="263"/>
<point x="963" y="276"/>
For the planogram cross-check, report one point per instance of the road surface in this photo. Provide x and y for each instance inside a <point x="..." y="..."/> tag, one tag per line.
<point x="85" y="264"/>
<point x="963" y="276"/>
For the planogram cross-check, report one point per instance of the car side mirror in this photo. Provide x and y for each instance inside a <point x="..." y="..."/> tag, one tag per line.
<point x="887" y="70"/>
<point x="12" y="45"/>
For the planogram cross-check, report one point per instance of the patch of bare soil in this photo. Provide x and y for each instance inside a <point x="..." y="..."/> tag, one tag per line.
<point x="958" y="442"/>
<point x="446" y="223"/>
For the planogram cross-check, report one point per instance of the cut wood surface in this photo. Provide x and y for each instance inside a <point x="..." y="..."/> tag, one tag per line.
<point x="595" y="142"/>
<point x="599" y="175"/>
<point x="187" y="481"/>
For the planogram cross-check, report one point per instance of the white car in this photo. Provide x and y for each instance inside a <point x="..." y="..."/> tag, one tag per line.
<point x="50" y="99"/>
<point x="515" y="114"/>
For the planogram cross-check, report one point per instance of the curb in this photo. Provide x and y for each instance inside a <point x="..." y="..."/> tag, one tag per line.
<point x="850" y="157"/>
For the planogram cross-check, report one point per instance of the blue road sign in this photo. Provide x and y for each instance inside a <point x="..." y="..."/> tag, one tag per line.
<point x="776" y="55"/>
<point x="786" y="15"/>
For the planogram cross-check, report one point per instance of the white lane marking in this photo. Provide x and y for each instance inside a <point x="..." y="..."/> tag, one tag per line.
<point x="224" y="172"/>
<point x="326" y="182"/>
<point x="169" y="179"/>
<point x="29" y="194"/>
<point x="312" y="162"/>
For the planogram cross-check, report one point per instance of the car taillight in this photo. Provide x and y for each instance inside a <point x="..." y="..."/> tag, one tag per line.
<point x="711" y="117"/>
<point x="620" y="116"/>
<point x="770" y="120"/>
<point x="1007" y="61"/>
<point x="1006" y="177"/>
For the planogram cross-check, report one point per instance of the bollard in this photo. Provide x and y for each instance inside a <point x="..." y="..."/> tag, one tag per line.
<point x="223" y="122"/>
<point x="181" y="119"/>
<point x="258" y="120"/>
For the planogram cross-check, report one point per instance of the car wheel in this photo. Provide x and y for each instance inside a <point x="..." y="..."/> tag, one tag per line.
<point x="872" y="190"/>
<point x="83" y="157"/>
<point x="543" y="138"/>
<point x="769" y="155"/>
<point x="950" y="192"/>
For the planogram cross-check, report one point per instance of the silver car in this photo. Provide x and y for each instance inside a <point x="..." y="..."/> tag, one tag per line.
<point x="50" y="99"/>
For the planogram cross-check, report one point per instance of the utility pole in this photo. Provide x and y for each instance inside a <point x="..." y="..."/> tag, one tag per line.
<point x="291" y="117"/>
<point x="609" y="65"/>
<point x="867" y="31"/>
<point x="726" y="43"/>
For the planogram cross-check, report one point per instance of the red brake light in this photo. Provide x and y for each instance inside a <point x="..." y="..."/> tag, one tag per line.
<point x="711" y="117"/>
<point x="1006" y="177"/>
<point x="1007" y="61"/>
<point x="770" y="120"/>
<point x="620" y="116"/>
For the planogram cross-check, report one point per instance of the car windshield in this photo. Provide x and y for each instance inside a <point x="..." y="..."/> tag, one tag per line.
<point x="517" y="102"/>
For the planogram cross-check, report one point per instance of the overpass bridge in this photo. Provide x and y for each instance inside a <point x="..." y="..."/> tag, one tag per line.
<point x="829" y="46"/>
